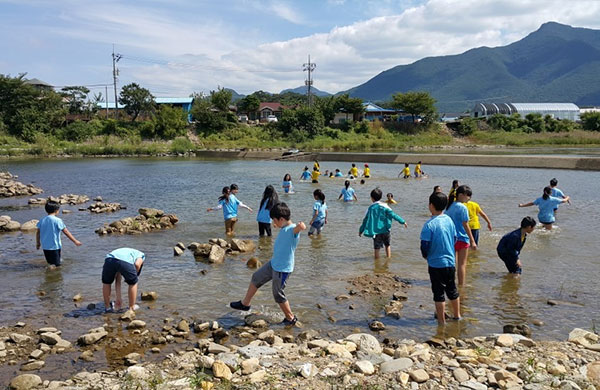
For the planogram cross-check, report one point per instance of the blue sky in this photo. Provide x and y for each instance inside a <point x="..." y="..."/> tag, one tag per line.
<point x="176" y="47"/>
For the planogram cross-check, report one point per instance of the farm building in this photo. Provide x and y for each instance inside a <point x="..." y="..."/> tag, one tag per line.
<point x="556" y="110"/>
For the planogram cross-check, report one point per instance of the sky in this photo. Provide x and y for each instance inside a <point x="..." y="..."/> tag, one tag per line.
<point x="178" y="47"/>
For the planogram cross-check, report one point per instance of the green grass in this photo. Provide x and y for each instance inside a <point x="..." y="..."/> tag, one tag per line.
<point x="376" y="138"/>
<point x="573" y="138"/>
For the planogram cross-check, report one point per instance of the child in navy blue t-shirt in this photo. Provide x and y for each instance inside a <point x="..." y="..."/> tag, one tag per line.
<point x="510" y="245"/>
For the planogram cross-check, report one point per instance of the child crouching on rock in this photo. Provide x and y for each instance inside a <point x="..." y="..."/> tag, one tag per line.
<point x="126" y="263"/>
<point x="281" y="265"/>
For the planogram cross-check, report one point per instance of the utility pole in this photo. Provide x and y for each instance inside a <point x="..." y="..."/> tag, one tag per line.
<point x="106" y="97"/>
<point x="309" y="67"/>
<point x="115" y="59"/>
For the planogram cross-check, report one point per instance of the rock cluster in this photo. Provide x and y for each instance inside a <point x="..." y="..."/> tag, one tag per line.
<point x="8" y="225"/>
<point x="284" y="359"/>
<point x="10" y="187"/>
<point x="217" y="248"/>
<point x="148" y="219"/>
<point x="71" y="199"/>
<point x="102" y="207"/>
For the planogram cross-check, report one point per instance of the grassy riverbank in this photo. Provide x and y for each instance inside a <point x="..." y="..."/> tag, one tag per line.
<point x="375" y="139"/>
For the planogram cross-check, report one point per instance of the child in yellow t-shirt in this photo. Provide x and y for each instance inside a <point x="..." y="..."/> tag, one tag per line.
<point x="405" y="172"/>
<point x="315" y="175"/>
<point x="474" y="212"/>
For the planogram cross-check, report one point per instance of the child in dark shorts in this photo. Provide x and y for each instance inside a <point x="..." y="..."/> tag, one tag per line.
<point x="438" y="237"/>
<point x="510" y="245"/>
<point x="378" y="223"/>
<point x="123" y="263"/>
<point x="281" y="265"/>
<point x="48" y="234"/>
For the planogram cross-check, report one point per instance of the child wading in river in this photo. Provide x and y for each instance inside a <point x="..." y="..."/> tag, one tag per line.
<point x="319" y="218"/>
<point x="460" y="216"/>
<point x="510" y="245"/>
<point x="229" y="203"/>
<point x="48" y="235"/>
<point x="437" y="246"/>
<point x="378" y="223"/>
<point x="281" y="265"/>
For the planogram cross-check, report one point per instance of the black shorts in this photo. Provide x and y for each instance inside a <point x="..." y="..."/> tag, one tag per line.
<point x="442" y="281"/>
<point x="53" y="257"/>
<point x="380" y="240"/>
<point x="264" y="228"/>
<point x="112" y="266"/>
<point x="511" y="263"/>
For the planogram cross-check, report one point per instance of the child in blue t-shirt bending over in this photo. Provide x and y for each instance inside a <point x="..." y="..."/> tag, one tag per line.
<point x="48" y="234"/>
<point x="281" y="265"/>
<point x="123" y="263"/>
<point x="378" y="223"/>
<point x="437" y="246"/>
<point x="510" y="245"/>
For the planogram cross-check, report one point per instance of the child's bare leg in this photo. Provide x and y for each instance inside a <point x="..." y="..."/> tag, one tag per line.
<point x="440" y="309"/>
<point x="548" y="227"/>
<point x="119" y="301"/>
<point x="106" y="295"/>
<point x="388" y="251"/>
<point x="252" y="289"/>
<point x="461" y="269"/>
<point x="376" y="253"/>
<point x="455" y="307"/>
<point x="132" y="295"/>
<point x="285" y="308"/>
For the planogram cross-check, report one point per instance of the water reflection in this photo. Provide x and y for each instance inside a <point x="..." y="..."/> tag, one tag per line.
<point x="509" y="305"/>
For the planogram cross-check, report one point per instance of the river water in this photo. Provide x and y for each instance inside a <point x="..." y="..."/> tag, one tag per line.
<point x="562" y="264"/>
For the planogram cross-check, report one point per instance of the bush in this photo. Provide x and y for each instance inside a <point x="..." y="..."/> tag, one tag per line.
<point x="467" y="126"/>
<point x="80" y="131"/>
<point x="181" y="145"/>
<point x="147" y="130"/>
<point x="590" y="121"/>
<point x="113" y="127"/>
<point x="170" y="122"/>
<point x="361" y="127"/>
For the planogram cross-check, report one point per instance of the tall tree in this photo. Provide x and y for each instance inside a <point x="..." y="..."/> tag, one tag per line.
<point x="350" y="105"/>
<point x="76" y="97"/>
<point x="249" y="104"/>
<point x="416" y="104"/>
<point x="136" y="100"/>
<point x="221" y="99"/>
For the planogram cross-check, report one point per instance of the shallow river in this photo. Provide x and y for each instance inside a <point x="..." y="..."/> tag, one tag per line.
<point x="562" y="264"/>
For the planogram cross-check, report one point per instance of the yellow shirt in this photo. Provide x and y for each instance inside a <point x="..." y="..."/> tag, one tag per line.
<point x="418" y="169"/>
<point x="406" y="171"/>
<point x="315" y="175"/>
<point x="316" y="165"/>
<point x="391" y="201"/>
<point x="354" y="171"/>
<point x="474" y="210"/>
<point x="367" y="172"/>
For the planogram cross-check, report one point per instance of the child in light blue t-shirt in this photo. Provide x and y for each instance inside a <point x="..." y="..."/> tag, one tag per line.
<point x="229" y="203"/>
<point x="319" y="218"/>
<point x="348" y="193"/>
<point x="281" y="265"/>
<point x="460" y="216"/>
<point x="305" y="174"/>
<point x="437" y="246"/>
<point x="288" y="188"/>
<point x="547" y="205"/>
<point x="48" y="234"/>
<point x="123" y="263"/>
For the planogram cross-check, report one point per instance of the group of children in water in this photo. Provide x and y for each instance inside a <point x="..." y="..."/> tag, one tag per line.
<point x="445" y="239"/>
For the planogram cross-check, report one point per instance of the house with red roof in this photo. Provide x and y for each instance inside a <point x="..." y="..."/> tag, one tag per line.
<point x="270" y="108"/>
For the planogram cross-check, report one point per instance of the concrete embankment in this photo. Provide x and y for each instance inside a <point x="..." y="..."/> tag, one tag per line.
<point x="513" y="161"/>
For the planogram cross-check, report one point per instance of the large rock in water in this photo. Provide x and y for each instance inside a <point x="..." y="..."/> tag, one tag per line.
<point x="92" y="338"/>
<point x="150" y="212"/>
<point x="25" y="382"/>
<point x="242" y="245"/>
<point x="29" y="226"/>
<point x="8" y="225"/>
<point x="216" y="255"/>
<point x="201" y="250"/>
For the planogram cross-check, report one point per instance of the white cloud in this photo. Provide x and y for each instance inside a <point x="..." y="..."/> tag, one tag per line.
<point x="286" y="12"/>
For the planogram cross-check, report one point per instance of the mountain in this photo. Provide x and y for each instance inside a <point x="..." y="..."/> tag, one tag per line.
<point x="556" y="63"/>
<point x="234" y="95"/>
<point x="302" y="90"/>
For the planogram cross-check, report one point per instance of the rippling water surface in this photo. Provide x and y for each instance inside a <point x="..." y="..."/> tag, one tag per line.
<point x="562" y="264"/>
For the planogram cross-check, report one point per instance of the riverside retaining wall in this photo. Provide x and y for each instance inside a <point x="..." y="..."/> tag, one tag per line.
<point x="512" y="161"/>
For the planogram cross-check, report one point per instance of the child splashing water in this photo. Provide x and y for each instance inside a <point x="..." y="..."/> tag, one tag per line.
<point x="546" y="203"/>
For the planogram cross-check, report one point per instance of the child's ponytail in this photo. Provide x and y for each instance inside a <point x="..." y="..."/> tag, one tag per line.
<point x="547" y="193"/>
